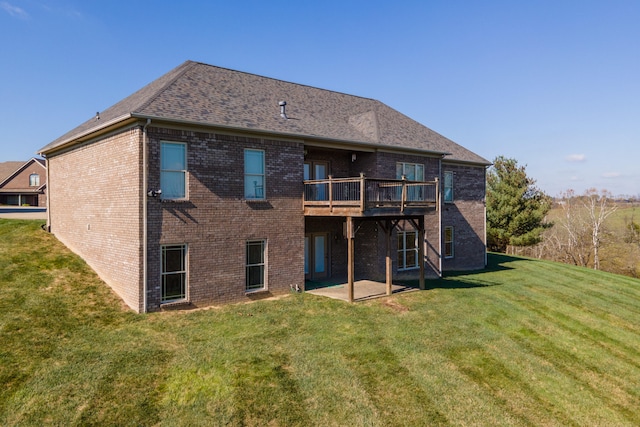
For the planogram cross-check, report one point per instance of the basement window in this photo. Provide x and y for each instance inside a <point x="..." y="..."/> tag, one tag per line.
<point x="256" y="265"/>
<point x="448" y="242"/>
<point x="407" y="250"/>
<point x="174" y="273"/>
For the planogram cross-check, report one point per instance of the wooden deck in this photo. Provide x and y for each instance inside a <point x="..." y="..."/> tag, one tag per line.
<point x="361" y="197"/>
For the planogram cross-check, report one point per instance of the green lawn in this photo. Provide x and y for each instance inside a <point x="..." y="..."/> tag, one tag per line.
<point x="524" y="343"/>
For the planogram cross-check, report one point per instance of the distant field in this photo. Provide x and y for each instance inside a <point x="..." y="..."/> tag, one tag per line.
<point x="524" y="343"/>
<point x="617" y="254"/>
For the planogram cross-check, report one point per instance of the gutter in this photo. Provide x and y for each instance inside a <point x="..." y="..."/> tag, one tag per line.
<point x="305" y="139"/>
<point x="320" y="141"/>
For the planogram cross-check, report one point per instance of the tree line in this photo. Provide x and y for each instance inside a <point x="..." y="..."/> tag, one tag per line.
<point x="572" y="228"/>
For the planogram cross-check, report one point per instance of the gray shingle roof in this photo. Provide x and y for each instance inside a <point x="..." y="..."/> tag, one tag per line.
<point x="208" y="95"/>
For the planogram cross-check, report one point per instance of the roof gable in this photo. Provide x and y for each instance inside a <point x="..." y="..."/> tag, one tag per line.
<point x="203" y="94"/>
<point x="10" y="170"/>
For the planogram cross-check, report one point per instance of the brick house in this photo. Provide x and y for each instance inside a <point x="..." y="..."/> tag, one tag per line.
<point x="23" y="183"/>
<point x="210" y="186"/>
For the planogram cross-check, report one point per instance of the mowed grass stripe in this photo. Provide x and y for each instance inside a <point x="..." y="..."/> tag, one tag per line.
<point x="586" y="318"/>
<point x="522" y="343"/>
<point x="526" y="385"/>
<point x="585" y="375"/>
<point x="538" y="305"/>
<point x="484" y="355"/>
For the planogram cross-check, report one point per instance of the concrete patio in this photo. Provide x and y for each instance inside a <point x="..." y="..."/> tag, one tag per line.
<point x="362" y="290"/>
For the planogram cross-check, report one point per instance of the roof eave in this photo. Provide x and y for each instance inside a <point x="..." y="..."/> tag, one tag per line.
<point x="88" y="134"/>
<point x="305" y="139"/>
<point x="484" y="163"/>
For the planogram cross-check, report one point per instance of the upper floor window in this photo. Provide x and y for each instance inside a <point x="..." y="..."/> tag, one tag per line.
<point x="173" y="170"/>
<point x="448" y="242"/>
<point x="448" y="186"/>
<point x="34" y="180"/>
<point x="254" y="174"/>
<point x="412" y="171"/>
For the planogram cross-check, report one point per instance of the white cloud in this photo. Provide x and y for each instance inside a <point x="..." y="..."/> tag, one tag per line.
<point x="13" y="10"/>
<point x="611" y="175"/>
<point x="576" y="158"/>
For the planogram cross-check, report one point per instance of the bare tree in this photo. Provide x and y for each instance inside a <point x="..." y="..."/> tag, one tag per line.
<point x="599" y="206"/>
<point x="572" y="239"/>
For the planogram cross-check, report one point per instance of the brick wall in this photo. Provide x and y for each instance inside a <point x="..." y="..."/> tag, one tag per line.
<point x="216" y="221"/>
<point x="467" y="217"/>
<point x="95" y="208"/>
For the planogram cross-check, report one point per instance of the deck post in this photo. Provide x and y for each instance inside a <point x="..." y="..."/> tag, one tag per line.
<point x="350" y="258"/>
<point x="389" y="265"/>
<point x="421" y="251"/>
<point x="331" y="193"/>
<point x="362" y="190"/>
<point x="404" y="193"/>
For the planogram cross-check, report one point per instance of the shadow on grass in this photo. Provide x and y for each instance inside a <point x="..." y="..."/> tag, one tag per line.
<point x="452" y="279"/>
<point x="468" y="279"/>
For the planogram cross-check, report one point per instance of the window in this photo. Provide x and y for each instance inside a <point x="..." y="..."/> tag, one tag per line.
<point x="448" y="186"/>
<point x="413" y="171"/>
<point x="34" y="180"/>
<point x="448" y="242"/>
<point x="174" y="273"/>
<point x="173" y="170"/>
<point x="254" y="174"/>
<point x="256" y="265"/>
<point x="407" y="250"/>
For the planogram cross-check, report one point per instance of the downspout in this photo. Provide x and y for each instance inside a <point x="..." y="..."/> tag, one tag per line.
<point x="145" y="174"/>
<point x="440" y="206"/>
<point x="486" y="259"/>
<point x="48" y="194"/>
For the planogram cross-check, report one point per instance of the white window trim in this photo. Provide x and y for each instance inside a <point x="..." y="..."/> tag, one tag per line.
<point x="264" y="265"/>
<point x="404" y="167"/>
<point x="444" y="188"/>
<point x="403" y="250"/>
<point x="36" y="178"/>
<point x="184" y="171"/>
<point x="263" y="174"/>
<point x="185" y="271"/>
<point x="451" y="242"/>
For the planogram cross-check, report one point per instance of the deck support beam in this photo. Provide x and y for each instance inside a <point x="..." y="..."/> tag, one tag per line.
<point x="387" y="226"/>
<point x="389" y="263"/>
<point x="421" y="251"/>
<point x="350" y="257"/>
<point x="419" y="226"/>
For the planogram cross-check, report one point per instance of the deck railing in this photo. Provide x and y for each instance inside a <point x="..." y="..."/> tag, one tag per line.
<point x="367" y="193"/>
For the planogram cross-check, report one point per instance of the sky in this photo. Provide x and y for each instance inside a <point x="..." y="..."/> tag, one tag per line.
<point x="553" y="84"/>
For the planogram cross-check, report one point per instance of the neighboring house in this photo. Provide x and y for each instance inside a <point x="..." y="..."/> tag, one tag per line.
<point x="23" y="183"/>
<point x="210" y="186"/>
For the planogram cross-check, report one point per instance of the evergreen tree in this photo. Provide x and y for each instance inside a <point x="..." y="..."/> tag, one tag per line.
<point x="516" y="209"/>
